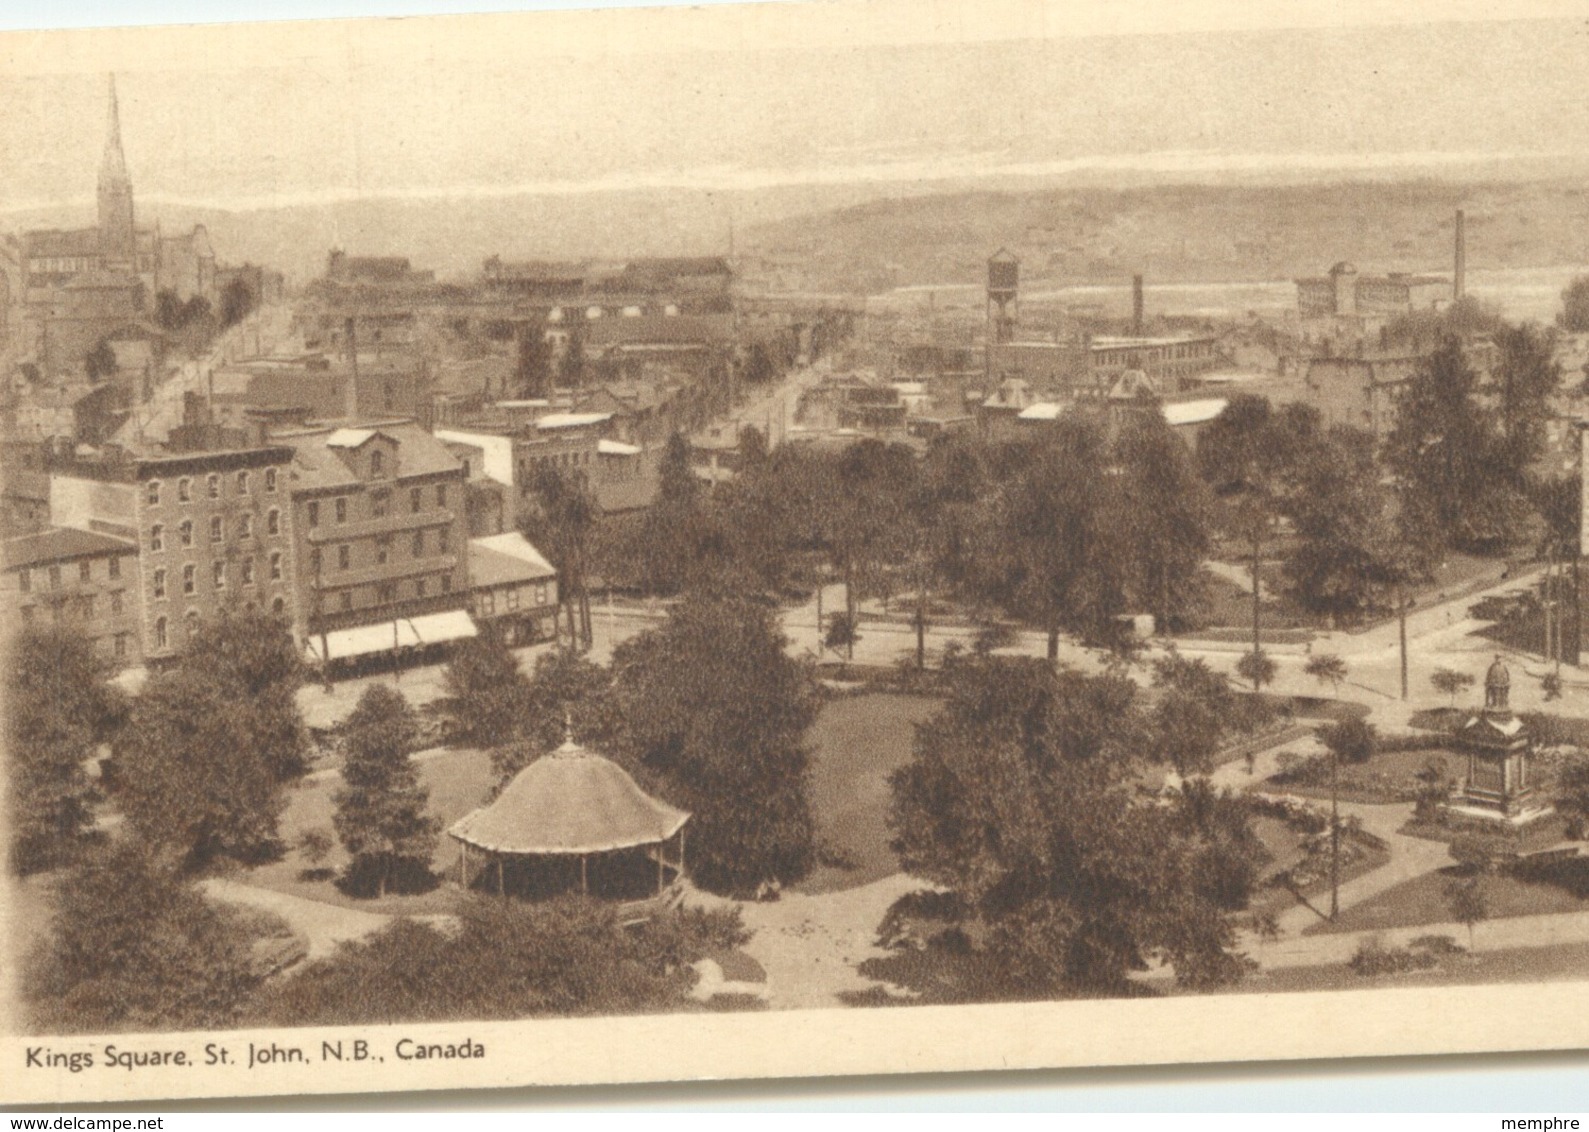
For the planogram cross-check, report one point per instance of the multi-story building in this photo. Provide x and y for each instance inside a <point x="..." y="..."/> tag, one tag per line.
<point x="213" y="530"/>
<point x="513" y="588"/>
<point x="76" y="579"/>
<point x="380" y="527"/>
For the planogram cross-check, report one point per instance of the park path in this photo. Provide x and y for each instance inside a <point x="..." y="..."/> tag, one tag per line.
<point x="1238" y="576"/>
<point x="322" y="925"/>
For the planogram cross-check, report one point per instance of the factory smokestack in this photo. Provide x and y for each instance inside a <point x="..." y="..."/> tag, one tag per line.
<point x="1136" y="304"/>
<point x="1459" y="284"/>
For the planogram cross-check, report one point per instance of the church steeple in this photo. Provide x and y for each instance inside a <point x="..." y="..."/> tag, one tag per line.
<point x="116" y="241"/>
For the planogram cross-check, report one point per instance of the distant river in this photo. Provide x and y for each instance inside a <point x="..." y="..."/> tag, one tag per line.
<point x="1522" y="293"/>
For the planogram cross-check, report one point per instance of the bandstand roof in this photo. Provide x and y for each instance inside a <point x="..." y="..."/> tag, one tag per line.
<point x="570" y="801"/>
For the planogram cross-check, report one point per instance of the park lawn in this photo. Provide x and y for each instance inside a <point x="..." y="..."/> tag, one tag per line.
<point x="1564" y="962"/>
<point x="856" y="742"/>
<point x="460" y="780"/>
<point x="1422" y="900"/>
<point x="1388" y="777"/>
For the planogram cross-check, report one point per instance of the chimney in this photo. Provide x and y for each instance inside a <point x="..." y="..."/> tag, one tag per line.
<point x="1136" y="304"/>
<point x="350" y="392"/>
<point x="1459" y="284"/>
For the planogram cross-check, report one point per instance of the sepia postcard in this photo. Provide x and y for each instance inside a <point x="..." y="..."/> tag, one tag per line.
<point x="791" y="540"/>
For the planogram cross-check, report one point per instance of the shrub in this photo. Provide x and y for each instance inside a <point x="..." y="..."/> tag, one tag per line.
<point x="1374" y="958"/>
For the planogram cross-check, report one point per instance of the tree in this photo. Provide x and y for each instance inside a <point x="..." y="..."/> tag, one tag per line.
<point x="58" y="710"/>
<point x="1018" y="802"/>
<point x="1326" y="668"/>
<point x="677" y="484"/>
<point x="571" y="367"/>
<point x="1257" y="667"/>
<point x="842" y="633"/>
<point x="488" y="690"/>
<point x="1572" y="793"/>
<point x="752" y="448"/>
<point x="238" y="300"/>
<point x="1350" y="740"/>
<point x="759" y="366"/>
<point x="533" y="369"/>
<point x="1574" y="316"/>
<point x="1434" y="788"/>
<point x="716" y="713"/>
<point x="134" y="947"/>
<point x="561" y="522"/>
<point x="1526" y="377"/>
<point x="1194" y="715"/>
<point x="1467" y="902"/>
<point x="100" y="362"/>
<point x="1450" y="682"/>
<point x="380" y="813"/>
<point x="1169" y="512"/>
<point x="211" y="742"/>
<point x="568" y="697"/>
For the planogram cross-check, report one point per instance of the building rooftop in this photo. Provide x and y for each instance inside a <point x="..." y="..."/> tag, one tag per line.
<point x="61" y="544"/>
<point x="503" y="559"/>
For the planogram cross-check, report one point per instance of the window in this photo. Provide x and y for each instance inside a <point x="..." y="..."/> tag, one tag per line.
<point x="540" y="594"/>
<point x="85" y="570"/>
<point x="273" y="522"/>
<point x="159" y="632"/>
<point x="441" y="495"/>
<point x="420" y="587"/>
<point x="217" y="529"/>
<point x="314" y="512"/>
<point x="415" y="501"/>
<point x="113" y="569"/>
<point x="386" y="593"/>
<point x="278" y="606"/>
<point x="245" y="526"/>
<point x="275" y="566"/>
<point x="446" y="583"/>
<point x="214" y="486"/>
<point x="218" y="574"/>
<point x="55" y="577"/>
<point x="347" y="599"/>
<point x="85" y="607"/>
<point x="25" y="581"/>
<point x="247" y="569"/>
<point x="342" y="556"/>
<point x="443" y="540"/>
<point x="156" y="541"/>
<point x="192" y="620"/>
<point x="377" y="464"/>
<point x="270" y="479"/>
<point x="419" y="544"/>
<point x="27" y="615"/>
<point x="152" y="493"/>
<point x="342" y="510"/>
<point x="116" y="602"/>
<point x="383" y="550"/>
<point x="118" y="645"/>
<point x="184" y="492"/>
<point x="513" y="598"/>
<point x="185" y="532"/>
<point x="488" y="603"/>
<point x="314" y="561"/>
<point x="380" y="502"/>
<point x="188" y="575"/>
<point x="242" y="483"/>
<point x="159" y="583"/>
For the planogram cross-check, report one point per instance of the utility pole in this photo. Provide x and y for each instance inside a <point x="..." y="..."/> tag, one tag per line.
<point x="1335" y="836"/>
<point x="1401" y="616"/>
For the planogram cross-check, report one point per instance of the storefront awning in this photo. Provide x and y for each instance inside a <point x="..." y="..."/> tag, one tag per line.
<point x="389" y="636"/>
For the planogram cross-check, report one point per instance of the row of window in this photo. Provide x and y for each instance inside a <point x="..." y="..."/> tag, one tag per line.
<point x="383" y="550"/>
<point x="85" y="573"/>
<point x="388" y="592"/>
<point x="212" y="486"/>
<point x="162" y="627"/>
<point x="218" y="575"/>
<point x="85" y="606"/>
<point x="245" y="529"/>
<point x="510" y="599"/>
<point x="380" y="503"/>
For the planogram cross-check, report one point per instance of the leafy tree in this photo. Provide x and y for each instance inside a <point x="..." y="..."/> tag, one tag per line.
<point x="1572" y="793"/>
<point x="1526" y="377"/>
<point x="1019" y="802"/>
<point x="752" y="447"/>
<point x="567" y="694"/>
<point x="134" y="947"/>
<point x="1169" y="513"/>
<point x="571" y="367"/>
<point x="717" y="712"/>
<point x="561" y="522"/>
<point x="100" y="362"/>
<point x="507" y="959"/>
<point x="380" y="813"/>
<point x="676" y="482"/>
<point x="490" y="695"/>
<point x="532" y="372"/>
<point x="1450" y="682"/>
<point x="238" y="300"/>
<point x="1194" y="715"/>
<point x="1434" y="788"/>
<point x="1574" y="316"/>
<point x="58" y="709"/>
<point x="759" y="365"/>
<point x="211" y="741"/>
<point x="1350" y="740"/>
<point x="1326" y="668"/>
<point x="1257" y="667"/>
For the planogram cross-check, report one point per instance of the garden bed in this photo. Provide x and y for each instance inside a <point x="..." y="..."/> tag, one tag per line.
<point x="1423" y="899"/>
<point x="1386" y="779"/>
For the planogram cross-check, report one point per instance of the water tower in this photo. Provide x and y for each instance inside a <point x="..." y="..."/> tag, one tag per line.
<point x="1004" y="274"/>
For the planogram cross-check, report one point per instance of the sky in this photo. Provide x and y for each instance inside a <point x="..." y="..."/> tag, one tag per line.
<point x="747" y="96"/>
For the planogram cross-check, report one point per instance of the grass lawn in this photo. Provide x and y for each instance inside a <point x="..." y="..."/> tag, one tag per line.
<point x="856" y="741"/>
<point x="459" y="781"/>
<point x="1422" y="900"/>
<point x="1560" y="963"/>
<point x="1386" y="778"/>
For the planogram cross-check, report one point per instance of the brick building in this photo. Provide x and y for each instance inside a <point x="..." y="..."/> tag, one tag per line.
<point x="78" y="580"/>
